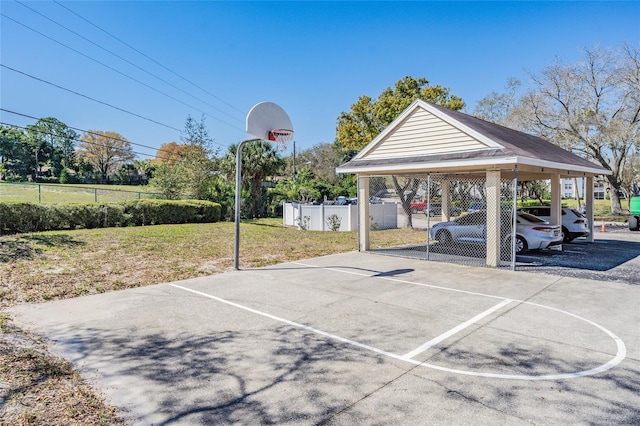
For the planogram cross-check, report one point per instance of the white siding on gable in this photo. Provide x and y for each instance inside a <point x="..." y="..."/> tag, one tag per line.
<point x="422" y="133"/>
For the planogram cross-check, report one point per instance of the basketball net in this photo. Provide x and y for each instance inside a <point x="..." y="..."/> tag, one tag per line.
<point x="281" y="137"/>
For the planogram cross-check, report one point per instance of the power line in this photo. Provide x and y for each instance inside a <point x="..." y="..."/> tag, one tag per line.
<point x="91" y="133"/>
<point x="120" y="72"/>
<point x="88" y="97"/>
<point x="148" y="57"/>
<point x="129" y="62"/>
<point x="89" y="142"/>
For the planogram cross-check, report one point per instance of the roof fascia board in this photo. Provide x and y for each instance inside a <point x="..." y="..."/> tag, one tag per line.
<point x="488" y="162"/>
<point x="425" y="165"/>
<point x="562" y="166"/>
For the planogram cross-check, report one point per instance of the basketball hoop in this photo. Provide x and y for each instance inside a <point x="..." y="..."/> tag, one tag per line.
<point x="281" y="137"/>
<point x="266" y="121"/>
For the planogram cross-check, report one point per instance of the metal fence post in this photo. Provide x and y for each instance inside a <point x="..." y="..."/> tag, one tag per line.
<point x="39" y="194"/>
<point x="428" y="214"/>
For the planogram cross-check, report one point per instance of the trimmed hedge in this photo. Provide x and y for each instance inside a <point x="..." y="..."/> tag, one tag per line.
<point x="29" y="217"/>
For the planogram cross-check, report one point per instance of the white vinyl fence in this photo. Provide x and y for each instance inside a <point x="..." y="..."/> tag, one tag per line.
<point x="327" y="217"/>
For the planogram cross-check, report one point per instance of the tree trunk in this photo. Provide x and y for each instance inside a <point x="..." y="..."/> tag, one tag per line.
<point x="575" y="184"/>
<point x="614" y="198"/>
<point x="406" y="195"/>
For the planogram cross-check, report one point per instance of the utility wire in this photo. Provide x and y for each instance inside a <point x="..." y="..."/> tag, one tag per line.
<point x="92" y="143"/>
<point x="88" y="97"/>
<point x="148" y="57"/>
<point x="120" y="72"/>
<point x="88" y="132"/>
<point x="129" y="62"/>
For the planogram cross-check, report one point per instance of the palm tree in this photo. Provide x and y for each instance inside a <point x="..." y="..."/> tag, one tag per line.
<point x="259" y="161"/>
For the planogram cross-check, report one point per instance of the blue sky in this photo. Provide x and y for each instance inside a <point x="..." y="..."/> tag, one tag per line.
<point x="312" y="58"/>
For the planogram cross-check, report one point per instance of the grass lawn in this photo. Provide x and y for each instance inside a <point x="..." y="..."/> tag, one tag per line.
<point x="81" y="193"/>
<point x="40" y="388"/>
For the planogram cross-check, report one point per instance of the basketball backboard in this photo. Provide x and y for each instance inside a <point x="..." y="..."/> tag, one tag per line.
<point x="269" y="122"/>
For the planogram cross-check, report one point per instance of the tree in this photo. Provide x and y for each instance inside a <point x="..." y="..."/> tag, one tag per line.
<point x="259" y="161"/>
<point x="190" y="167"/>
<point x="591" y="107"/>
<point x="15" y="155"/>
<point x="500" y="107"/>
<point x="50" y="139"/>
<point x="368" y="117"/>
<point x="168" y="152"/>
<point x="145" y="170"/>
<point x="197" y="169"/>
<point x="105" y="151"/>
<point x="195" y="133"/>
<point x="321" y="159"/>
<point x="169" y="180"/>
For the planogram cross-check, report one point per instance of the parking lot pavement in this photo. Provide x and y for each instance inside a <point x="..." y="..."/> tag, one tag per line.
<point x="613" y="256"/>
<point x="358" y="338"/>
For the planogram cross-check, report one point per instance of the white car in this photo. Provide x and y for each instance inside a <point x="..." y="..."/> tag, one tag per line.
<point x="574" y="223"/>
<point x="532" y="233"/>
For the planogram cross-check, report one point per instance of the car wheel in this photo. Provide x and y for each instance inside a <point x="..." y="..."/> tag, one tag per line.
<point x="444" y="237"/>
<point x="414" y="210"/>
<point x="565" y="235"/>
<point x="521" y="245"/>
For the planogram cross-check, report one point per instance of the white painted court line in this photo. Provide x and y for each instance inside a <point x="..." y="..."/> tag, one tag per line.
<point x="455" y="330"/>
<point x="620" y="355"/>
<point x="292" y="323"/>
<point x="397" y="280"/>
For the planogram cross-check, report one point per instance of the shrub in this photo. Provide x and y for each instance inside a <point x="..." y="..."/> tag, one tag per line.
<point x="333" y="222"/>
<point x="22" y="217"/>
<point x="28" y="217"/>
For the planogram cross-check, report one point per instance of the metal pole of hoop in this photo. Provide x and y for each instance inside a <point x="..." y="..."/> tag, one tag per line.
<point x="281" y="140"/>
<point x="236" y="245"/>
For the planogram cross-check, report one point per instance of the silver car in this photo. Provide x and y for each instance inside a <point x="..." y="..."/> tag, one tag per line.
<point x="574" y="223"/>
<point x="532" y="233"/>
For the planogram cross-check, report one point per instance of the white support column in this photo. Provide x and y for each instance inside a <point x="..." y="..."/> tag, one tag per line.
<point x="492" y="189"/>
<point x="363" y="213"/>
<point x="446" y="200"/>
<point x="556" y="200"/>
<point x="556" y="204"/>
<point x="588" y="201"/>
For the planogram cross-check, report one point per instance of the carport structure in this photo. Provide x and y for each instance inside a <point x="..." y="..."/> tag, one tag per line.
<point x="429" y="139"/>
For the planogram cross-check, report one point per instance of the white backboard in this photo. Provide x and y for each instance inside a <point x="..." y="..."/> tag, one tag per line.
<point x="267" y="116"/>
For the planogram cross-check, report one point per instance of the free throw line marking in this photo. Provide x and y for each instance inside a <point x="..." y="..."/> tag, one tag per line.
<point x="455" y="330"/>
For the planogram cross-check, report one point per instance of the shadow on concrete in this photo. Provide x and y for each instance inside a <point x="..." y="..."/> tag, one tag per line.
<point x="300" y="378"/>
<point x="609" y="398"/>
<point x="220" y="379"/>
<point x="391" y="273"/>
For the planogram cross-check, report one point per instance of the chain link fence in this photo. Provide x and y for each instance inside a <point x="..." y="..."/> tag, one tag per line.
<point x="58" y="194"/>
<point x="445" y="218"/>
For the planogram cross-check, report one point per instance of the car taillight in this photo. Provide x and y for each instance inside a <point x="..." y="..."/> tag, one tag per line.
<point x="579" y="221"/>
<point x="543" y="229"/>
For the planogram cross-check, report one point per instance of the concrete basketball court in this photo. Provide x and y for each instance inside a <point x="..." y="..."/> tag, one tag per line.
<point x="358" y="338"/>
